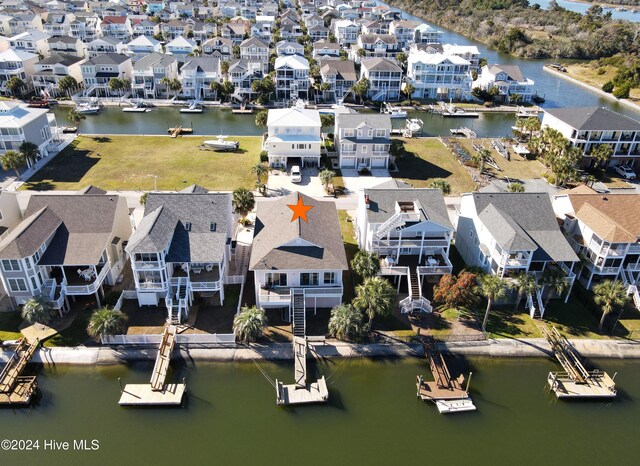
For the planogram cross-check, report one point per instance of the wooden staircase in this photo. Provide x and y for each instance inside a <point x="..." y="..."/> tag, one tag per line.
<point x="414" y="284"/>
<point x="298" y="312"/>
<point x="415" y="301"/>
<point x="10" y="375"/>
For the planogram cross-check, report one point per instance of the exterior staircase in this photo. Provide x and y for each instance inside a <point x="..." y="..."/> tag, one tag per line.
<point x="177" y="303"/>
<point x="415" y="302"/>
<point x="395" y="221"/>
<point x="380" y="96"/>
<point x="298" y="311"/>
<point x="534" y="311"/>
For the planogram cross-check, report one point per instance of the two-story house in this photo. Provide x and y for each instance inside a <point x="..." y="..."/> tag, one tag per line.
<point x="292" y="77"/>
<point x="589" y="127"/>
<point x="65" y="246"/>
<point x="98" y="71"/>
<point x="144" y="27"/>
<point x="293" y="137"/>
<point x="85" y="27"/>
<point x="374" y="45"/>
<point x="340" y="75"/>
<point x="118" y="27"/>
<point x="345" y="31"/>
<point x="297" y="263"/>
<point x="385" y="78"/>
<point x="506" y="234"/>
<point x="148" y="75"/>
<point x="19" y="64"/>
<point x="104" y="45"/>
<point x="181" y="247"/>
<point x="180" y="47"/>
<point x="318" y="32"/>
<point x="363" y="140"/>
<point x="289" y="48"/>
<point x="411" y="232"/>
<point x="404" y="31"/>
<point x="142" y="46"/>
<point x="32" y="42"/>
<point x="234" y="32"/>
<point x="255" y="50"/>
<point x="218" y="47"/>
<point x="512" y="85"/>
<point x="58" y="23"/>
<point x="49" y="71"/>
<point x="20" y="123"/>
<point x="325" y="50"/>
<point x="242" y="73"/>
<point x="425" y="34"/>
<point x="196" y="76"/>
<point x="467" y="52"/>
<point x="604" y="230"/>
<point x="438" y="76"/>
<point x="67" y="45"/>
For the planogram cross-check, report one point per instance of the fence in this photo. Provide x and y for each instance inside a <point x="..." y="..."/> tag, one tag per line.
<point x="126" y="294"/>
<point x="184" y="338"/>
<point x="234" y="279"/>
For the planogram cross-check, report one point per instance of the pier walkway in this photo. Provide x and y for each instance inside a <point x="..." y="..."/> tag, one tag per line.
<point x="576" y="381"/>
<point x="15" y="388"/>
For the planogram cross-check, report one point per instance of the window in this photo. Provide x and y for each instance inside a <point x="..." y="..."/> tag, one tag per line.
<point x="379" y="133"/>
<point x="302" y="146"/>
<point x="17" y="284"/>
<point x="348" y="133"/>
<point x="329" y="278"/>
<point x="309" y="279"/>
<point x="276" y="279"/>
<point x="364" y="149"/>
<point x="11" y="265"/>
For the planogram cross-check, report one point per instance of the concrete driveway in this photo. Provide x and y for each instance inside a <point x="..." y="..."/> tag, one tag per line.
<point x="280" y="184"/>
<point x="354" y="182"/>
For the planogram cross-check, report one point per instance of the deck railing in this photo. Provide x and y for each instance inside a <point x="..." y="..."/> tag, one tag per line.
<point x="188" y="338"/>
<point x="90" y="288"/>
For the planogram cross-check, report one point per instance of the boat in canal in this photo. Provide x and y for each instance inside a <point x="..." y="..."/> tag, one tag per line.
<point x="393" y="112"/>
<point x="89" y="108"/>
<point x="194" y="107"/>
<point x="137" y="107"/>
<point x="220" y="145"/>
<point x="451" y="111"/>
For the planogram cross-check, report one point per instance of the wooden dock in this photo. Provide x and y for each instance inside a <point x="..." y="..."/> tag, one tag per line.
<point x="447" y="393"/>
<point x="243" y="110"/>
<point x="15" y="388"/>
<point x="179" y="130"/>
<point x="301" y="392"/>
<point x="157" y="392"/>
<point x="576" y="381"/>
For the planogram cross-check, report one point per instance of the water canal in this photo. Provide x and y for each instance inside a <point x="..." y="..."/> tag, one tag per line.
<point x="373" y="418"/>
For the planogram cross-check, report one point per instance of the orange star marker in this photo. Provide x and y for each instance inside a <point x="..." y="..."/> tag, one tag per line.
<point x="300" y="210"/>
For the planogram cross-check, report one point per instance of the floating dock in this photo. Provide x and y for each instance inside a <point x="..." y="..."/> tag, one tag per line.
<point x="447" y="393"/>
<point x="157" y="392"/>
<point x="178" y="130"/>
<point x="14" y="387"/>
<point x="576" y="381"/>
<point x="301" y="392"/>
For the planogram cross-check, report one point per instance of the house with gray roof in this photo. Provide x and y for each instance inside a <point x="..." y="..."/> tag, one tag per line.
<point x="589" y="127"/>
<point x="98" y="71"/>
<point x="49" y="71"/>
<point x="293" y="256"/>
<point x="148" y="73"/>
<point x="363" y="140"/>
<point x="512" y="85"/>
<point x="411" y="232"/>
<point x="506" y="234"/>
<point x="182" y="247"/>
<point x="385" y="78"/>
<point x="340" y="75"/>
<point x="65" y="245"/>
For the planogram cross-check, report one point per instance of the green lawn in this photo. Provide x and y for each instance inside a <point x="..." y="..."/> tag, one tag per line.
<point x="351" y="248"/>
<point x="75" y="334"/>
<point x="427" y="159"/>
<point x="131" y="162"/>
<point x="9" y="323"/>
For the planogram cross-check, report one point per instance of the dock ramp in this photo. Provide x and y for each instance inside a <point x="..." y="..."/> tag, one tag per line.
<point x="14" y="387"/>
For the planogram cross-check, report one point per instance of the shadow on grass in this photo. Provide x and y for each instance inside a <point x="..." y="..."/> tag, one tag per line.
<point x="506" y="322"/>
<point x="101" y="139"/>
<point x="70" y="166"/>
<point x="412" y="167"/>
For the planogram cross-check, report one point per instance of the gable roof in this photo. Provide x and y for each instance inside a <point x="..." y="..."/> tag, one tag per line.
<point x="253" y="41"/>
<point x="25" y="239"/>
<point x="343" y="69"/>
<point x="380" y="64"/>
<point x="383" y="199"/>
<point x="524" y="221"/>
<point x="293" y="117"/>
<point x="594" y="119"/>
<point x="513" y="71"/>
<point x="355" y="120"/>
<point x="164" y="221"/>
<point x="321" y="246"/>
<point x="613" y="217"/>
<point x="294" y="61"/>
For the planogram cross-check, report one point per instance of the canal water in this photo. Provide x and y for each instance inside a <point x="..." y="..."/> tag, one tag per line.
<point x="373" y="418"/>
<point x="580" y="7"/>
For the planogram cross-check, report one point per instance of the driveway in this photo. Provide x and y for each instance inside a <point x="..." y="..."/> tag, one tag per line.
<point x="354" y="182"/>
<point x="280" y="184"/>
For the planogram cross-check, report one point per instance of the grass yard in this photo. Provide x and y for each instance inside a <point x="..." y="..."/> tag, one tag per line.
<point x="9" y="323"/>
<point x="427" y="159"/>
<point x="518" y="167"/>
<point x="75" y="334"/>
<point x="351" y="248"/>
<point x="131" y="162"/>
<point x="595" y="76"/>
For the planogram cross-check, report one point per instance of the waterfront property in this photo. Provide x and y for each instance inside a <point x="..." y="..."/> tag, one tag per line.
<point x="340" y="75"/>
<point x="292" y="77"/>
<point x="99" y="71"/>
<point x="506" y="234"/>
<point x="362" y="141"/>
<point x="293" y="137"/>
<point x="589" y="127"/>
<point x="63" y="248"/>
<point x="297" y="263"/>
<point x="438" y="76"/>
<point x="182" y="246"/>
<point x="20" y="123"/>
<point x="604" y="231"/>
<point x="512" y="85"/>
<point x="385" y="78"/>
<point x="49" y="71"/>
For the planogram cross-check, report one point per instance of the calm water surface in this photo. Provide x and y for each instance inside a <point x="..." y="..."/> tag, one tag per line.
<point x="373" y="418"/>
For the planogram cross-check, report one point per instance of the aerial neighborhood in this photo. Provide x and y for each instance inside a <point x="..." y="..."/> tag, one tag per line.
<point x="378" y="183"/>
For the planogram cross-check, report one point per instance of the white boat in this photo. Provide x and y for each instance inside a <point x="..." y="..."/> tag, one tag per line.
<point x="393" y="112"/>
<point x="88" y="108"/>
<point x="451" y="110"/>
<point x="195" y="107"/>
<point x="137" y="107"/>
<point x="455" y="406"/>
<point x="221" y="144"/>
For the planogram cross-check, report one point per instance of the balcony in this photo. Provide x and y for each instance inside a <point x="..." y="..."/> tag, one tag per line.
<point x="276" y="295"/>
<point x="146" y="265"/>
<point x="77" y="284"/>
<point x="201" y="277"/>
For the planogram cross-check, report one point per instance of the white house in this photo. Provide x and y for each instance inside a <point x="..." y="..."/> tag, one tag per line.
<point x="589" y="127"/>
<point x="20" y="123"/>
<point x="197" y="74"/>
<point x="142" y="46"/>
<point x="180" y="47"/>
<point x="374" y="45"/>
<point x="182" y="248"/>
<point x="149" y="72"/>
<point x="118" y="27"/>
<point x="292" y="77"/>
<point x="605" y="231"/>
<point x="468" y="52"/>
<point x="404" y="31"/>
<point x="297" y="264"/>
<point x="509" y="80"/>
<point x="19" y="64"/>
<point x="385" y="78"/>
<point x="345" y="31"/>
<point x="104" y="45"/>
<point x="49" y="71"/>
<point x="32" y="41"/>
<point x="438" y="76"/>
<point x="293" y="137"/>
<point x="325" y="50"/>
<point x="98" y="71"/>
<point x="362" y="141"/>
<point x="510" y="233"/>
<point x="255" y="50"/>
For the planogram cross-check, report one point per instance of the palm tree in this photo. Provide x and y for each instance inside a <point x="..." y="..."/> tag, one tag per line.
<point x="345" y="322"/>
<point x="602" y="153"/>
<point x="261" y="118"/>
<point x="14" y="84"/>
<point x="260" y="170"/>
<point x="555" y="279"/>
<point x="12" y="160"/>
<point x="409" y="89"/>
<point x="326" y="176"/>
<point x="224" y="67"/>
<point x="38" y="310"/>
<point x="493" y="288"/>
<point x="76" y="117"/>
<point x="105" y="321"/>
<point x="365" y="264"/>
<point x="30" y="151"/>
<point x="375" y="297"/>
<point x="67" y="84"/>
<point x="515" y="187"/>
<point x="173" y="85"/>
<point x="609" y="295"/>
<point x="525" y="284"/>
<point x="243" y="201"/>
<point x="442" y="185"/>
<point x="249" y="324"/>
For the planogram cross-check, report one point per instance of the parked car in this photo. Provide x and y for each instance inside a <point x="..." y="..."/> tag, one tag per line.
<point x="626" y="172"/>
<point x="296" y="175"/>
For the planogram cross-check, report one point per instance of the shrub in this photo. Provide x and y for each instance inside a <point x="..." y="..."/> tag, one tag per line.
<point x="264" y="156"/>
<point x="622" y="92"/>
<point x="607" y="87"/>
